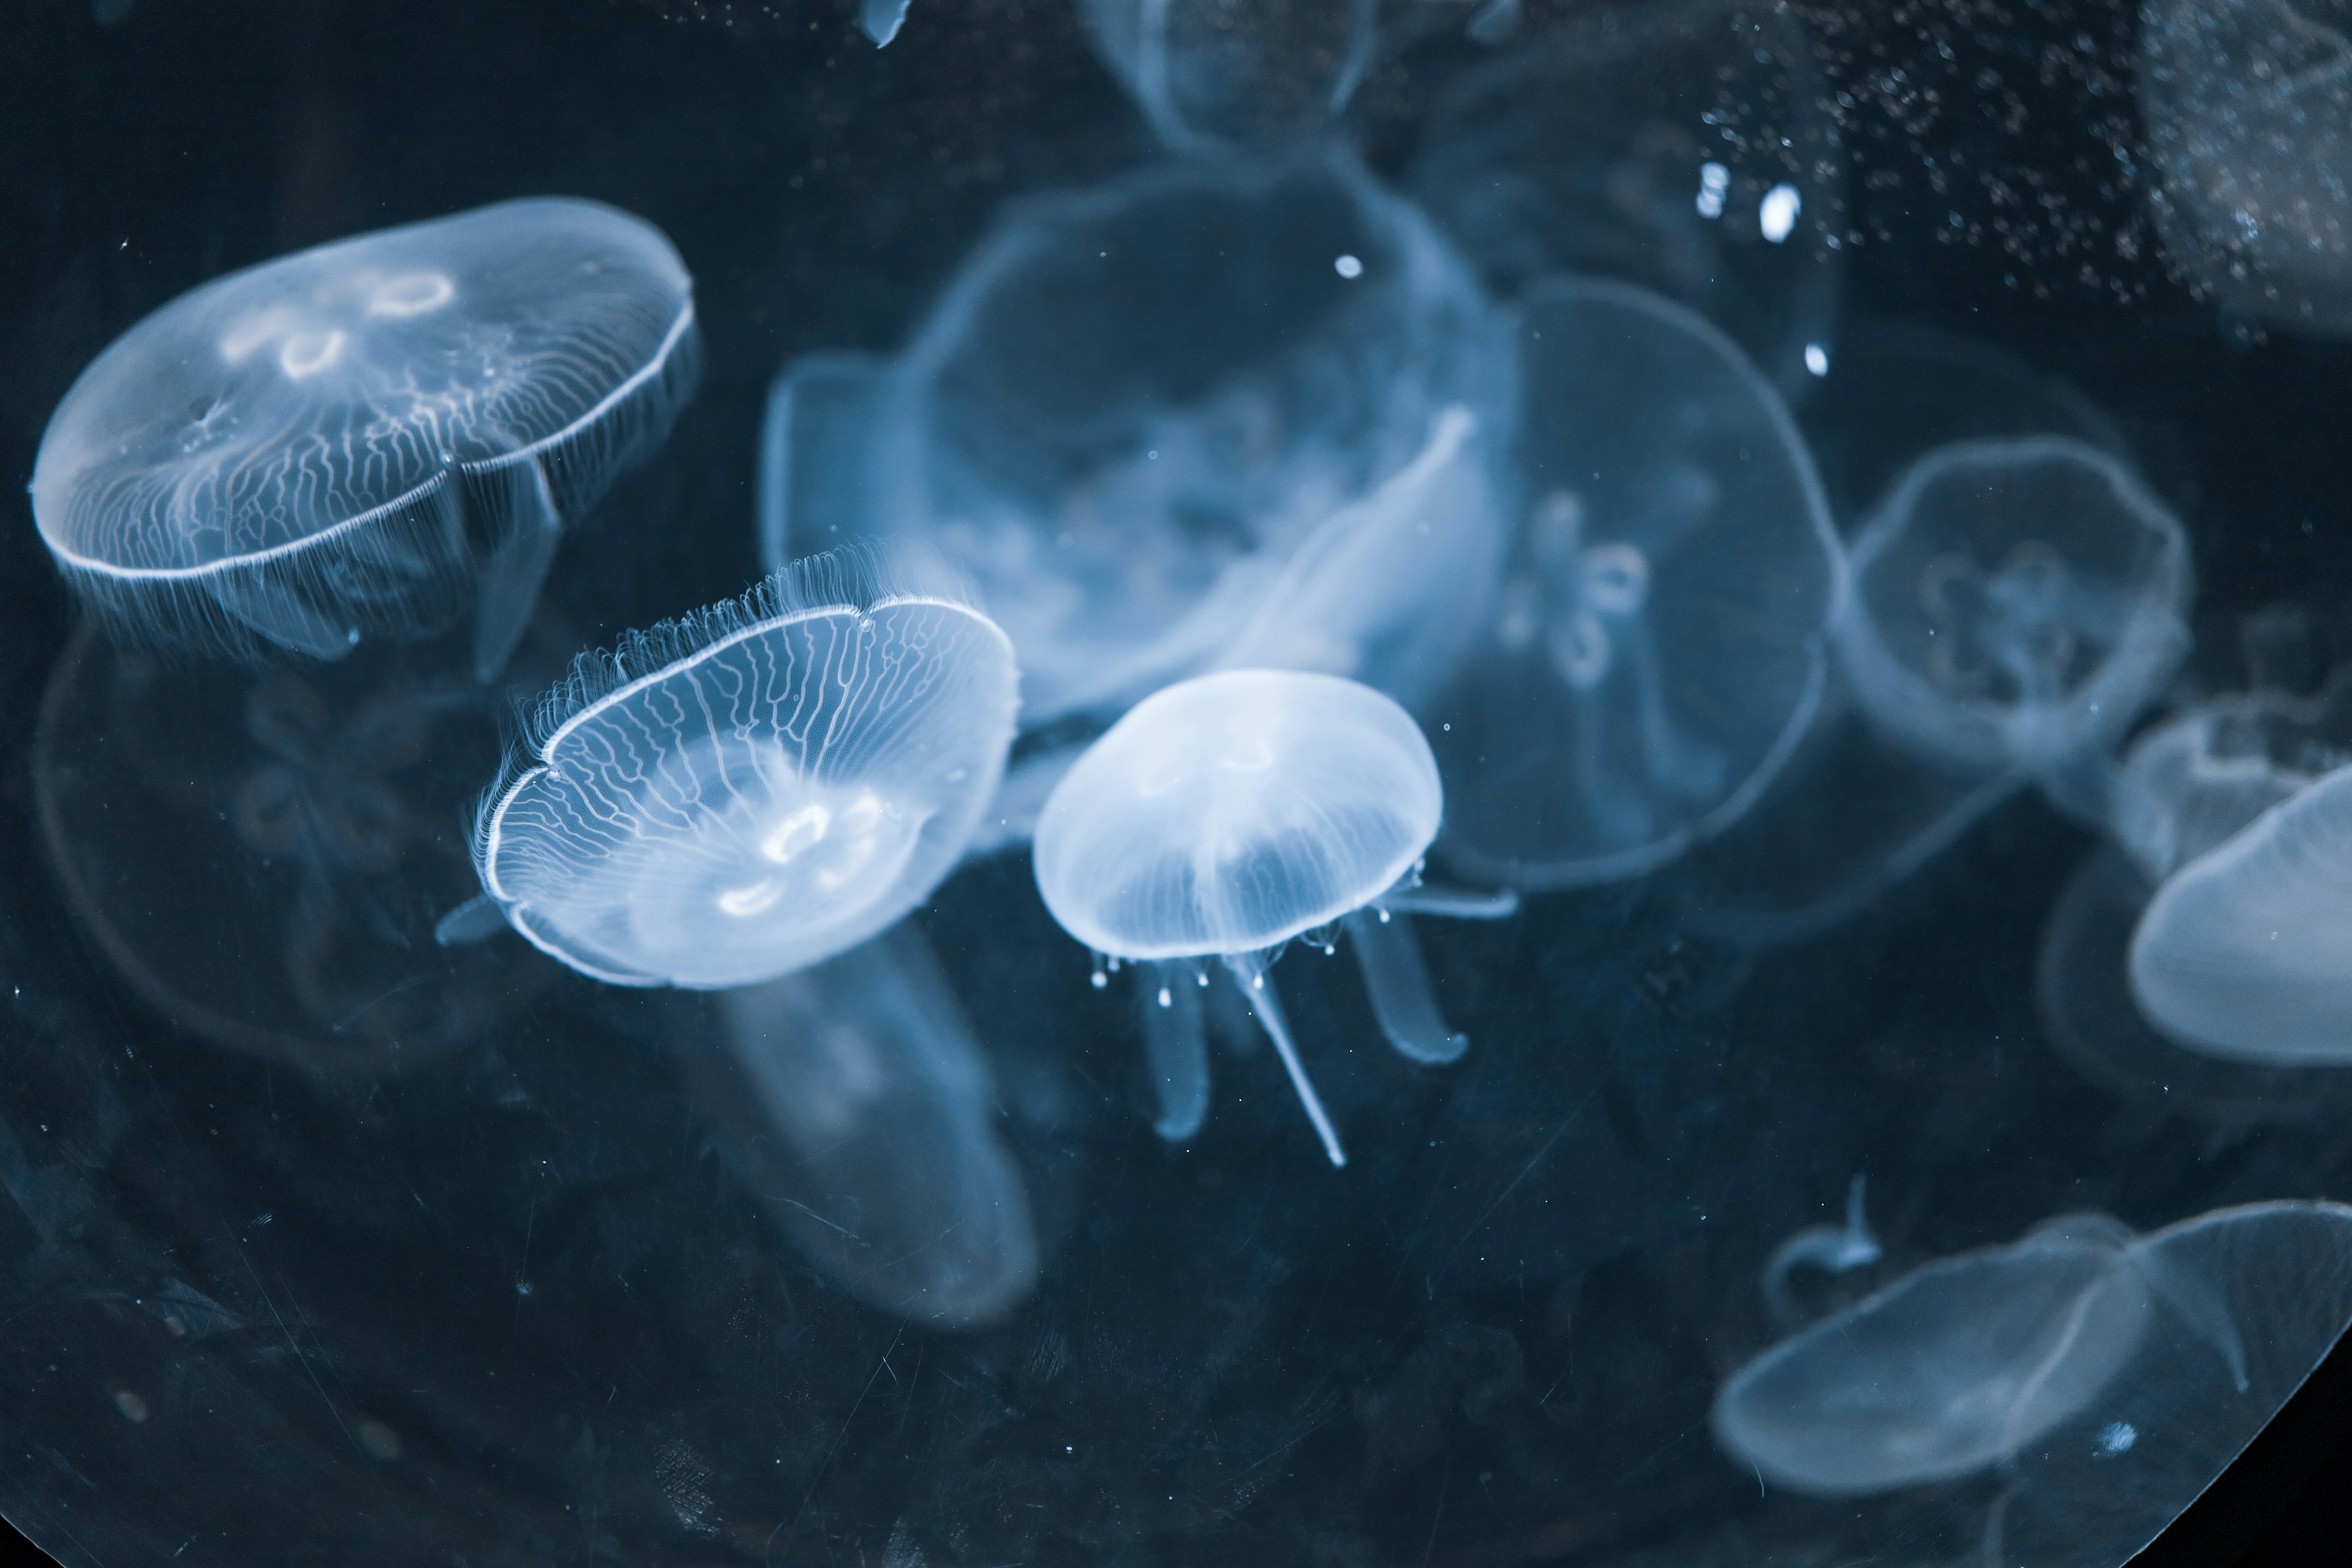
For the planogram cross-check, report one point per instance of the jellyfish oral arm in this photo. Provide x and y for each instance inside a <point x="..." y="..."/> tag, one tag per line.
<point x="479" y="919"/>
<point x="1174" y="1040"/>
<point x="1248" y="971"/>
<point x="1450" y="903"/>
<point x="1836" y="1248"/>
<point x="1398" y="983"/>
<point x="511" y="578"/>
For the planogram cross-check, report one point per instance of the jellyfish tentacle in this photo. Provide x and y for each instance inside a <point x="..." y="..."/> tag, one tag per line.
<point x="518" y="565"/>
<point x="1248" y="971"/>
<point x="1398" y="983"/>
<point x="1178" y="1049"/>
<point x="1835" y="1248"/>
<point x="479" y="919"/>
<point x="1450" y="903"/>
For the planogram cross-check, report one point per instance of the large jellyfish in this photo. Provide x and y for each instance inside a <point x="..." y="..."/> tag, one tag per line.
<point x="261" y="856"/>
<point x="1660" y="643"/>
<point x="345" y="442"/>
<point x="752" y="789"/>
<point x="2015" y="605"/>
<point x="1688" y="147"/>
<point x="1136" y="405"/>
<point x="1223" y="817"/>
<point x="1210" y="75"/>
<point x="2248" y="106"/>
<point x="2110" y="1376"/>
<point x="856" y="1102"/>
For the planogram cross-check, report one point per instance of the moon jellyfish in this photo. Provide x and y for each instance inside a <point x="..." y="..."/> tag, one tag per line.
<point x="2248" y="106"/>
<point x="1136" y="405"/>
<point x="2110" y="1376"/>
<point x="857" y="1104"/>
<point x="1659" y="645"/>
<point x="1224" y="816"/>
<point x="1689" y="148"/>
<point x="752" y="789"/>
<point x="260" y="856"/>
<point x="2015" y="605"/>
<point x="1211" y="75"/>
<point x="340" y="443"/>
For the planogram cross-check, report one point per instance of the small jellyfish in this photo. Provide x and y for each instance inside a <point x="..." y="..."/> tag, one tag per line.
<point x="1226" y="816"/>
<point x="2015" y="605"/>
<point x="1688" y="147"/>
<point x="1659" y="645"/>
<point x="750" y="790"/>
<point x="261" y="856"/>
<point x="2248" y="106"/>
<point x="856" y="1103"/>
<point x="1137" y="406"/>
<point x="1257" y="78"/>
<point x="345" y="442"/>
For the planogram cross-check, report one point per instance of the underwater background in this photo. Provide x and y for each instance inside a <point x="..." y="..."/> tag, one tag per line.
<point x="310" y="1256"/>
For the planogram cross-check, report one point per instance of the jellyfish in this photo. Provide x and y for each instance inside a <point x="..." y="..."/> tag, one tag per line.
<point x="345" y="442"/>
<point x="881" y="19"/>
<point x="1688" y="147"/>
<point x="856" y="1102"/>
<point x="750" y="790"/>
<point x="2248" y="106"/>
<point x="1226" y="816"/>
<point x="2109" y="1376"/>
<point x="260" y="855"/>
<point x="1211" y="76"/>
<point x="2016" y="603"/>
<point x="1658" y="646"/>
<point x="1136" y="406"/>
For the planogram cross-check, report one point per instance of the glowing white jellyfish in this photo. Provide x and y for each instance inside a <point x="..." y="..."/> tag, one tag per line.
<point x="1690" y="147"/>
<point x="1137" y="406"/>
<point x="348" y="441"/>
<point x="2248" y="107"/>
<point x="1659" y="645"/>
<point x="750" y="790"/>
<point x="855" y="1099"/>
<point x="1209" y="75"/>
<point x="1223" y="817"/>
<point x="2043" y="1346"/>
<point x="2015" y="605"/>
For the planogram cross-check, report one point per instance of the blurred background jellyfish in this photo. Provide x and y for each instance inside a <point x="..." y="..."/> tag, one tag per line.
<point x="345" y="442"/>
<point x="2015" y="605"/>
<point x="2248" y="110"/>
<point x="1690" y="147"/>
<point x="1136" y="405"/>
<point x="2079" y="1349"/>
<point x="855" y="1102"/>
<point x="1211" y="75"/>
<point x="814" y="445"/>
<point x="1226" y="816"/>
<point x="752" y="789"/>
<point x="261" y="856"/>
<point x="1659" y="645"/>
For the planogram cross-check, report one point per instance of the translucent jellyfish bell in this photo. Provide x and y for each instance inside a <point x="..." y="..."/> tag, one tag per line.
<point x="2111" y="1377"/>
<point x="2015" y="605"/>
<point x="1261" y="76"/>
<point x="859" y="1107"/>
<point x="1224" y="816"/>
<point x="748" y="791"/>
<point x="1659" y="645"/>
<point x="2247" y="105"/>
<point x="345" y="442"/>
<point x="1690" y="147"/>
<point x="1136" y="405"/>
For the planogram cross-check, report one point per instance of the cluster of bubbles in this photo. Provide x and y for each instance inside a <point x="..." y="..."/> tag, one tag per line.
<point x="1236" y="538"/>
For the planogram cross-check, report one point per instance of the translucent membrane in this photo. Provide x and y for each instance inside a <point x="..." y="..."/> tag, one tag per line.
<point x="1209" y="75"/>
<point x="746" y="793"/>
<point x="354" y="440"/>
<point x="1658" y="646"/>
